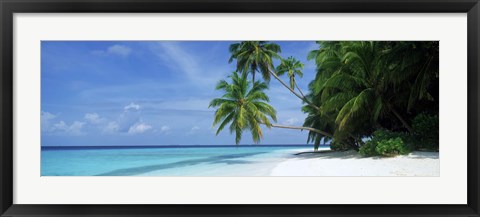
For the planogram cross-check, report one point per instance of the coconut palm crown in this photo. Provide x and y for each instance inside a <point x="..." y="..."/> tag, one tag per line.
<point x="255" y="56"/>
<point x="292" y="68"/>
<point x="244" y="105"/>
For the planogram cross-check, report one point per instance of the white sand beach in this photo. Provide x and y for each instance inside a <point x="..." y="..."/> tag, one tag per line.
<point x="350" y="163"/>
<point x="285" y="162"/>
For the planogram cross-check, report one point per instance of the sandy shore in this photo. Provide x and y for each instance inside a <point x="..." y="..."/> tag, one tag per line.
<point x="350" y="163"/>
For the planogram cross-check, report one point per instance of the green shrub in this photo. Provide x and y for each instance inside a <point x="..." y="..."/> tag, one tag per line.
<point x="425" y="128"/>
<point x="387" y="143"/>
<point x="368" y="149"/>
<point x="392" y="147"/>
<point x="382" y="134"/>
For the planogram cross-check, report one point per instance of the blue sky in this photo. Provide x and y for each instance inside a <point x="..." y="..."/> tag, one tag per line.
<point x="150" y="93"/>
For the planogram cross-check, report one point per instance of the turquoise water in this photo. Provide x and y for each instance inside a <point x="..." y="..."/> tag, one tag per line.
<point x="165" y="161"/>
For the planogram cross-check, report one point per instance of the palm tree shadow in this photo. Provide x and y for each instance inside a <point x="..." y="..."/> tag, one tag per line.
<point x="212" y="160"/>
<point x="330" y="155"/>
<point x="356" y="155"/>
<point x="232" y="162"/>
<point x="424" y="155"/>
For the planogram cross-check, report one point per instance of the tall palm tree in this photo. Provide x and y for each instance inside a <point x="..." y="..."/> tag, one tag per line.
<point x="349" y="88"/>
<point x="244" y="106"/>
<point x="255" y="56"/>
<point x="292" y="67"/>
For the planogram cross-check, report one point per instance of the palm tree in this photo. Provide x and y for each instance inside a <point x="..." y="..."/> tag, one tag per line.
<point x="255" y="56"/>
<point x="244" y="106"/>
<point x="343" y="90"/>
<point x="362" y="82"/>
<point x="318" y="120"/>
<point x="292" y="67"/>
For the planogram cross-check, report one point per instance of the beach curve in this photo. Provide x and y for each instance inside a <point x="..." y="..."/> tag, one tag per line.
<point x="350" y="163"/>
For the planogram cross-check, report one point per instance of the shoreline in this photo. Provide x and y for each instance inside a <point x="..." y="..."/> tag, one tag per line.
<point x="299" y="162"/>
<point x="350" y="163"/>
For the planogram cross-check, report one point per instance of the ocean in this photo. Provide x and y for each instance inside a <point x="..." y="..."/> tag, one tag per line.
<point x="227" y="160"/>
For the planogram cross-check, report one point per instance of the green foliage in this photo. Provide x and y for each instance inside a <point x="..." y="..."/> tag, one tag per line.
<point x="339" y="146"/>
<point x="255" y="56"/>
<point x="426" y="131"/>
<point x="383" y="134"/>
<point x="387" y="143"/>
<point x="292" y="68"/>
<point x="392" y="147"/>
<point x="368" y="149"/>
<point x="360" y="88"/>
<point x="363" y="86"/>
<point x="243" y="105"/>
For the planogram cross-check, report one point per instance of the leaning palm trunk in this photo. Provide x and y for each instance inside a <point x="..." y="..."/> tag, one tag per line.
<point x="301" y="93"/>
<point x="400" y="118"/>
<point x="304" y="99"/>
<point x="303" y="128"/>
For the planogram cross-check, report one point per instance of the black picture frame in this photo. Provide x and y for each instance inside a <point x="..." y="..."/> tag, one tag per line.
<point x="9" y="7"/>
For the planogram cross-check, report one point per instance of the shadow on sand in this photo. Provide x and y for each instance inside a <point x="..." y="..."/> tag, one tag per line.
<point x="329" y="155"/>
<point x="355" y="155"/>
<point x="225" y="159"/>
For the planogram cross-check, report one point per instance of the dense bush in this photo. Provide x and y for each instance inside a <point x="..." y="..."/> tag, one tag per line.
<point x="380" y="135"/>
<point x="425" y="128"/>
<point x="368" y="149"/>
<point x="387" y="143"/>
<point x="392" y="147"/>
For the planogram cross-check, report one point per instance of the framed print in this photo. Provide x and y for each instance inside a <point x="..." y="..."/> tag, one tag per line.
<point x="266" y="108"/>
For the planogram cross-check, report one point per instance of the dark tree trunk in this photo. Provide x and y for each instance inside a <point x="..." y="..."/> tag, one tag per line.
<point x="404" y="122"/>
<point x="353" y="143"/>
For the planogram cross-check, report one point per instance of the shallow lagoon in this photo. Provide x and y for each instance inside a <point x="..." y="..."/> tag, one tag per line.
<point x="249" y="160"/>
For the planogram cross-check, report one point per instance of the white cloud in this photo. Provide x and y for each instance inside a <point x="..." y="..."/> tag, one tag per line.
<point x="129" y="121"/>
<point x="94" y="118"/>
<point x="111" y="127"/>
<point x="164" y="129"/>
<point x="291" y="121"/>
<point x="193" y="130"/>
<point x="74" y="129"/>
<point x="120" y="50"/>
<point x="130" y="116"/>
<point x="132" y="106"/>
<point x="139" y="128"/>
<point x="47" y="115"/>
<point x="46" y="119"/>
<point x="60" y="127"/>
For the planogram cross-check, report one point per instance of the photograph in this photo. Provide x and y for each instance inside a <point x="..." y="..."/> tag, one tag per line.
<point x="240" y="108"/>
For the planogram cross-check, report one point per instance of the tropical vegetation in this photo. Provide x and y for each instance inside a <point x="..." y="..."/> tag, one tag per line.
<point x="376" y="97"/>
<point x="244" y="106"/>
